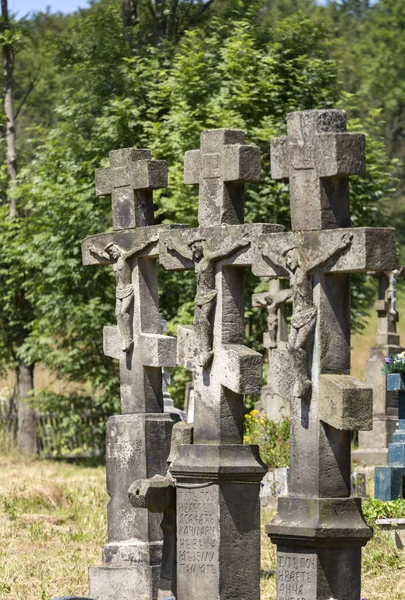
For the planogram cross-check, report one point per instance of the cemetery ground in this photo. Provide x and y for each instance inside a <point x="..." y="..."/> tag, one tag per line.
<point x="53" y="524"/>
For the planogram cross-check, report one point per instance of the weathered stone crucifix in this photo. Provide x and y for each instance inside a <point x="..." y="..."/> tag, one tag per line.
<point x="275" y="300"/>
<point x="138" y="441"/>
<point x="217" y="477"/>
<point x="319" y="529"/>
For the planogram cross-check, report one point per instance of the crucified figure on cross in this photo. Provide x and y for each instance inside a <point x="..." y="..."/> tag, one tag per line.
<point x="300" y="266"/>
<point x="124" y="292"/>
<point x="392" y="292"/>
<point x="204" y="259"/>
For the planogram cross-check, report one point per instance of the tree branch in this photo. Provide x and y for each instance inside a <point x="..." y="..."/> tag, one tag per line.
<point x="31" y="86"/>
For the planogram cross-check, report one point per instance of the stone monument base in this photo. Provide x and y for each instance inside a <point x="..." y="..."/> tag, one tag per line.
<point x="272" y="405"/>
<point x="319" y="544"/>
<point x="218" y="514"/>
<point x="124" y="583"/>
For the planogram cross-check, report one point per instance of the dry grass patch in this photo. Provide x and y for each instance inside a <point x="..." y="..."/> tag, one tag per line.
<point x="52" y="524"/>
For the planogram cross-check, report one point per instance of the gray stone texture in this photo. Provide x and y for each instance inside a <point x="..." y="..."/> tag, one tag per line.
<point x="217" y="478"/>
<point x="275" y="300"/>
<point x="373" y="444"/>
<point x="129" y="180"/>
<point x="319" y="530"/>
<point x="138" y="441"/>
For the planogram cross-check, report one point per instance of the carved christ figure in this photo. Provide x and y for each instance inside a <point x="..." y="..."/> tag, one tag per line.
<point x="273" y="301"/>
<point x="205" y="259"/>
<point x="301" y="266"/>
<point x="392" y="292"/>
<point x="124" y="292"/>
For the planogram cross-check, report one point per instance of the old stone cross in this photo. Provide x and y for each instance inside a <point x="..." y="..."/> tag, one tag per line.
<point x="137" y="342"/>
<point x="130" y="180"/>
<point x="275" y="300"/>
<point x="224" y="368"/>
<point x="217" y="478"/>
<point x="316" y="160"/>
<point x="318" y="519"/>
<point x="137" y="441"/>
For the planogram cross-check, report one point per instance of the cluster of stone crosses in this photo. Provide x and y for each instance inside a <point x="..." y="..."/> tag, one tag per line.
<point x="184" y="509"/>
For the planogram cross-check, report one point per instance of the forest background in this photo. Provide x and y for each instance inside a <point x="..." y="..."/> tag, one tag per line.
<point x="155" y="73"/>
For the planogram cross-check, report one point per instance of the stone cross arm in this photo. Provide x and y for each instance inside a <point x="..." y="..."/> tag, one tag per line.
<point x="175" y="252"/>
<point x="93" y="247"/>
<point x="334" y="154"/>
<point x="240" y="367"/>
<point x="371" y="248"/>
<point x="156" y="350"/>
<point x="131" y="167"/>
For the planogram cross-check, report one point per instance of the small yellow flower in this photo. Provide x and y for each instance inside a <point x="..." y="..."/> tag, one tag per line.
<point x="254" y="412"/>
<point x="402" y="355"/>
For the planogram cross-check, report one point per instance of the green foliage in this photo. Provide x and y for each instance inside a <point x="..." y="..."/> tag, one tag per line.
<point x="374" y="509"/>
<point x="272" y="438"/>
<point x="233" y="71"/>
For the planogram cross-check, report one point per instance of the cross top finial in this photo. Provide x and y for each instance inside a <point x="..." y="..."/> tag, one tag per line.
<point x="317" y="156"/>
<point x="221" y="167"/>
<point x="130" y="179"/>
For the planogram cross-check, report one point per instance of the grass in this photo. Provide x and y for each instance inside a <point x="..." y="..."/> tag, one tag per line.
<point x="53" y="525"/>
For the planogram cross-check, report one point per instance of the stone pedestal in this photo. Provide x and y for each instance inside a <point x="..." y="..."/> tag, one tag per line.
<point x="319" y="547"/>
<point x="137" y="446"/>
<point x="218" y="515"/>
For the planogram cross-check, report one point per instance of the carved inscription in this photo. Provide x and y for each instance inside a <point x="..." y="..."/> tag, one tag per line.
<point x="295" y="575"/>
<point x="124" y="453"/>
<point x="197" y="531"/>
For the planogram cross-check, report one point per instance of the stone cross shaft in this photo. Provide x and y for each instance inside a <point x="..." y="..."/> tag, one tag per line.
<point x="316" y="157"/>
<point x="141" y="366"/>
<point x="218" y="250"/>
<point x="326" y="402"/>
<point x="137" y="441"/>
<point x="130" y="180"/>
<point x="217" y="477"/>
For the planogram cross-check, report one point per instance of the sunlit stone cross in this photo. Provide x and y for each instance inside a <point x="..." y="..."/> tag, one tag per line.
<point x="217" y="477"/>
<point x="130" y="180"/>
<point x="319" y="529"/>
<point x="137" y="441"/>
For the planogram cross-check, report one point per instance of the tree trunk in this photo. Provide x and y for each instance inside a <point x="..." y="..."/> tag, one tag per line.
<point x="8" y="67"/>
<point x="27" y="422"/>
<point x="27" y="438"/>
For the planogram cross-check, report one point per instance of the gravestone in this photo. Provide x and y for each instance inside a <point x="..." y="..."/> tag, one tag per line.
<point x="373" y="444"/>
<point x="137" y="441"/>
<point x="275" y="301"/>
<point x="319" y="529"/>
<point x="217" y="477"/>
<point x="389" y="481"/>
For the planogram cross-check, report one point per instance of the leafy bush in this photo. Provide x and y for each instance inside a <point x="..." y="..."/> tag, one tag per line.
<point x="272" y="438"/>
<point x="377" y="509"/>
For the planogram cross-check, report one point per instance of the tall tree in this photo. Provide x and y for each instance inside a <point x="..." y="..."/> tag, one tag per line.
<point x="15" y="336"/>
